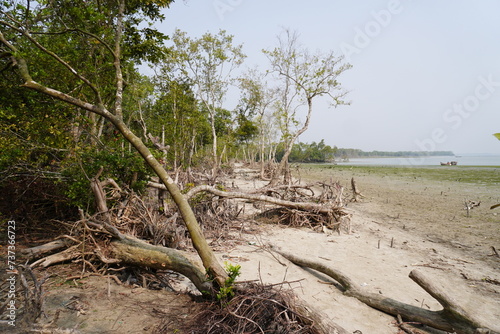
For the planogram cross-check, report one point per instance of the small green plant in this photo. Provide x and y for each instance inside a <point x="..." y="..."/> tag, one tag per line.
<point x="226" y="292"/>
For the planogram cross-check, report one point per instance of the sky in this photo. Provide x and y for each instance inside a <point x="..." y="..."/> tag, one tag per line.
<point x="425" y="74"/>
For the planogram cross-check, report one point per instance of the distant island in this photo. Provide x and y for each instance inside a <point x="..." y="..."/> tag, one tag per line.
<point x="356" y="153"/>
<point x="320" y="152"/>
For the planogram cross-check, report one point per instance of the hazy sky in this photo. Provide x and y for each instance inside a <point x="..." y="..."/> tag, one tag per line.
<point x="425" y="76"/>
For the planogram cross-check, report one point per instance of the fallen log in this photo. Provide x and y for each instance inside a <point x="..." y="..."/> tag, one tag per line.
<point x="451" y="319"/>
<point x="126" y="249"/>
<point x="139" y="253"/>
<point x="306" y="206"/>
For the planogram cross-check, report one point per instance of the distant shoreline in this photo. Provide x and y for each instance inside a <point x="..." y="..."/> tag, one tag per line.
<point x="484" y="160"/>
<point x="476" y="175"/>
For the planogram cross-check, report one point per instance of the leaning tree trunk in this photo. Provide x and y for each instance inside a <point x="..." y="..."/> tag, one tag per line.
<point x="199" y="242"/>
<point x="139" y="253"/>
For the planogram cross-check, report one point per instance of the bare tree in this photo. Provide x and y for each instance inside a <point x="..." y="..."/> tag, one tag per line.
<point x="208" y="61"/>
<point x="257" y="96"/>
<point x="304" y="77"/>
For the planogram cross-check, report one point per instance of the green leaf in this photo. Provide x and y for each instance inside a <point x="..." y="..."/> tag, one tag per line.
<point x="497" y="135"/>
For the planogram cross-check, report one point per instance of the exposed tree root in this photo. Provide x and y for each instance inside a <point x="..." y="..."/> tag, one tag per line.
<point x="453" y="318"/>
<point x="260" y="309"/>
<point x="23" y="302"/>
<point x="297" y="205"/>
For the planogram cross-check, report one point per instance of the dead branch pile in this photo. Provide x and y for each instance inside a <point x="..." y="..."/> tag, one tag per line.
<point x="314" y="205"/>
<point x="215" y="214"/>
<point x="257" y="308"/>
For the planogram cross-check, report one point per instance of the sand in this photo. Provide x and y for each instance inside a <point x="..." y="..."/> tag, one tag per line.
<point x="400" y="225"/>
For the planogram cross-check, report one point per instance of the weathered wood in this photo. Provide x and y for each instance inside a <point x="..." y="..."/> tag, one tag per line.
<point x="99" y="194"/>
<point x="34" y="252"/>
<point x="451" y="319"/>
<point x="306" y="206"/>
<point x="451" y="308"/>
<point x="407" y="328"/>
<point x="66" y="255"/>
<point x="356" y="194"/>
<point x="139" y="253"/>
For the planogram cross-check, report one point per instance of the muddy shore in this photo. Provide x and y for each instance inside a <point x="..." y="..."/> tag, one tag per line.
<point x="407" y="219"/>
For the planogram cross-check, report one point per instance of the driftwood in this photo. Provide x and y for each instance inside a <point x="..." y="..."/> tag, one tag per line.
<point x="405" y="327"/>
<point x="66" y="255"/>
<point x="452" y="318"/>
<point x="356" y="194"/>
<point x="306" y="206"/>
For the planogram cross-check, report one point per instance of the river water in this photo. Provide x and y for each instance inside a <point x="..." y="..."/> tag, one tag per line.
<point x="466" y="160"/>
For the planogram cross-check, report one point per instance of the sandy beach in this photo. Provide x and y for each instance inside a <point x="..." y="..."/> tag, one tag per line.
<point x="407" y="220"/>
<point x="404" y="222"/>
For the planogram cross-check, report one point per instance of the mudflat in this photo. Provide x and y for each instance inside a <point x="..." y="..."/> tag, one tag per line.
<point x="409" y="218"/>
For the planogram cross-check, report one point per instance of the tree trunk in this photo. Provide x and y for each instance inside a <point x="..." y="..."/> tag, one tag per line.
<point x="199" y="242"/>
<point x="140" y="253"/>
<point x="283" y="166"/>
<point x="215" y="166"/>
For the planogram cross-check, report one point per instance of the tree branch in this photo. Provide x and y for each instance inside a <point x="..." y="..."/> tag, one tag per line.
<point x="306" y="206"/>
<point x="116" y="61"/>
<point x="53" y="55"/>
<point x="451" y="319"/>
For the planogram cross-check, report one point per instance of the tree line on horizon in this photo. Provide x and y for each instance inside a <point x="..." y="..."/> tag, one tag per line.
<point x="322" y="153"/>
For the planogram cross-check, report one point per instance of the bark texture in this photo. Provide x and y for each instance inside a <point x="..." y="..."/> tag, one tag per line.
<point x="452" y="318"/>
<point x="139" y="253"/>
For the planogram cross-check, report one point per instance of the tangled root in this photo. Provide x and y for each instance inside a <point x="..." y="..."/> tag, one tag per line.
<point x="255" y="309"/>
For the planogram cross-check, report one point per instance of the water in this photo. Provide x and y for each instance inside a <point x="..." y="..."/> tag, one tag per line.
<point x="469" y="160"/>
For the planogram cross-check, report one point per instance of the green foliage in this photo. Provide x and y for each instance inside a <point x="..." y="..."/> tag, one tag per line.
<point x="126" y="168"/>
<point x="314" y="152"/>
<point x="30" y="135"/>
<point x="177" y="114"/>
<point x="497" y="135"/>
<point x="246" y="129"/>
<point x="69" y="41"/>
<point x="207" y="62"/>
<point x="473" y="175"/>
<point x="226" y="292"/>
